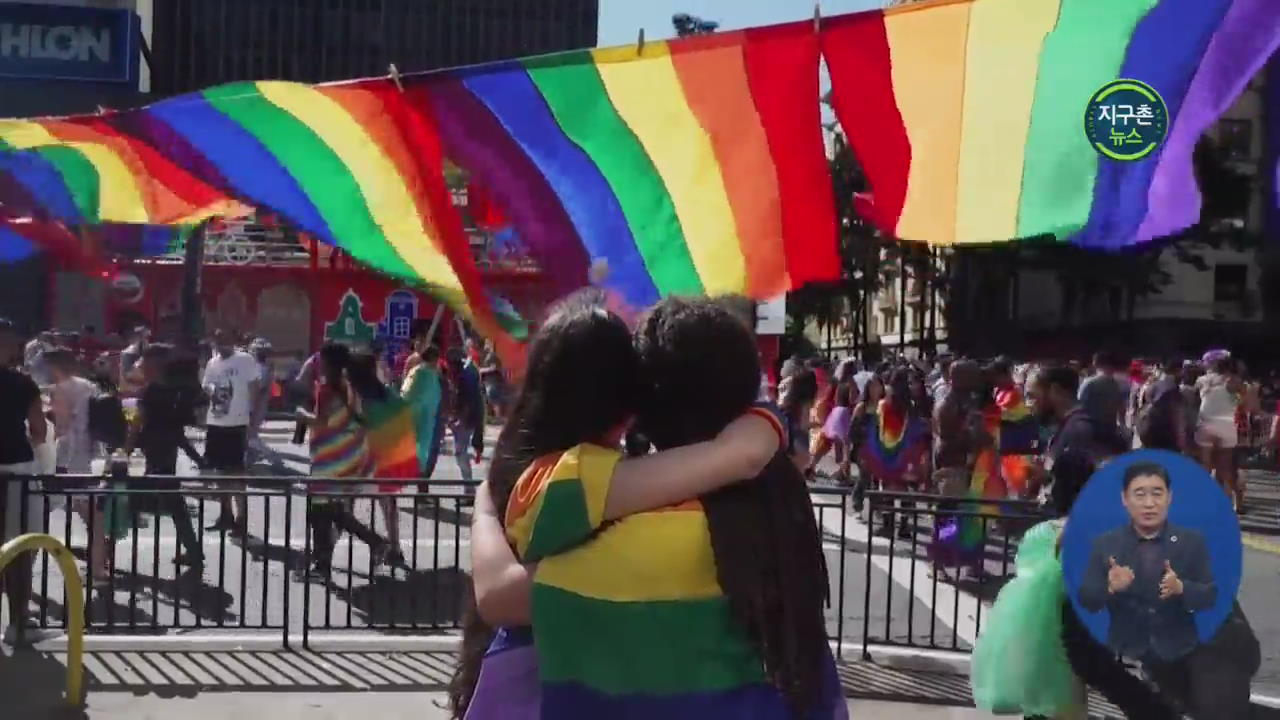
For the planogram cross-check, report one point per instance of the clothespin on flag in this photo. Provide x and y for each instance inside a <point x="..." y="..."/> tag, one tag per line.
<point x="817" y="17"/>
<point x="395" y="76"/>
<point x="640" y="42"/>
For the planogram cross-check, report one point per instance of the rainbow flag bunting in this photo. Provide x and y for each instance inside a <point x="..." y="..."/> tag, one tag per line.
<point x="693" y="166"/>
<point x="354" y="165"/>
<point x="83" y="170"/>
<point x="967" y="115"/>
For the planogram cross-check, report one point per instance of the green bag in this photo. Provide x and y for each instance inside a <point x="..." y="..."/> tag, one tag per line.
<point x="115" y="513"/>
<point x="1020" y="665"/>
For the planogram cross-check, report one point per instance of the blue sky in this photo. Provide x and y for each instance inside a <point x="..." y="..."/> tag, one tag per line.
<point x="621" y="20"/>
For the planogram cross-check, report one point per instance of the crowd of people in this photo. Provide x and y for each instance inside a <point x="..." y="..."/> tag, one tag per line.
<point x="677" y="573"/>
<point x="907" y="424"/>
<point x="567" y="577"/>
<point x="66" y="401"/>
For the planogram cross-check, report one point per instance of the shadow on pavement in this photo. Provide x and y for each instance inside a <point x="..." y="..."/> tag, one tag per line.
<point x="33" y="687"/>
<point x="188" y="673"/>
<point x="432" y="598"/>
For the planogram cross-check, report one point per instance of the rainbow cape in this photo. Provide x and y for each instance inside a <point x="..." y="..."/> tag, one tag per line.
<point x="895" y="441"/>
<point x="967" y="115"/>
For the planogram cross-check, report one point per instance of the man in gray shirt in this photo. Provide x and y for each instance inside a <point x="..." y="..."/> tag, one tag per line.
<point x="1103" y="397"/>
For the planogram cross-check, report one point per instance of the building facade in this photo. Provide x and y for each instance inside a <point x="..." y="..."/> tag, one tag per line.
<point x="198" y="43"/>
<point x="59" y="58"/>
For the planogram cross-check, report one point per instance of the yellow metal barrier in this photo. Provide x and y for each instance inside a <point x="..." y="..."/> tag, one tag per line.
<point x="75" y="601"/>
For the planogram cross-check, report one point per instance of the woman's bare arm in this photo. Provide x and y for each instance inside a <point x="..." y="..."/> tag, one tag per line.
<point x="739" y="452"/>
<point x="503" y="587"/>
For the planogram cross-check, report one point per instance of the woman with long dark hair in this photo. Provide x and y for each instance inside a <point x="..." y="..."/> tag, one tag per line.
<point x="862" y="419"/>
<point x="766" y="546"/>
<point x="896" y="447"/>
<point x="797" y="408"/>
<point x="579" y="393"/>
<point x="339" y="450"/>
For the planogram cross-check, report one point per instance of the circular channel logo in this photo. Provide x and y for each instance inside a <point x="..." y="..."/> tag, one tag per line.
<point x="1126" y="120"/>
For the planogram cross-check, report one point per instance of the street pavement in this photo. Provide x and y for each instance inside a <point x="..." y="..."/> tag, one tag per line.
<point x="247" y="588"/>
<point x="384" y="706"/>
<point x="209" y="685"/>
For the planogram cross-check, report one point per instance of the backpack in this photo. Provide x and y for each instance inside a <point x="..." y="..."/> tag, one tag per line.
<point x="106" y="420"/>
<point x="1154" y="424"/>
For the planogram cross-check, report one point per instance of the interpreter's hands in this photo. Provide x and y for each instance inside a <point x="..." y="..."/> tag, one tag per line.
<point x="1119" y="578"/>
<point x="1170" y="583"/>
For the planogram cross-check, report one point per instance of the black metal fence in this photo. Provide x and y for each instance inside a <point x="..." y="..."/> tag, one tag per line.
<point x="259" y="578"/>
<point x="955" y="554"/>
<point x="410" y="573"/>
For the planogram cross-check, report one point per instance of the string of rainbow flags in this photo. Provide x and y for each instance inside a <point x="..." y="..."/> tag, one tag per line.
<point x="692" y="166"/>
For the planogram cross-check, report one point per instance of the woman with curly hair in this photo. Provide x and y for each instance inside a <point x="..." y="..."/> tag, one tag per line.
<point x="557" y="480"/>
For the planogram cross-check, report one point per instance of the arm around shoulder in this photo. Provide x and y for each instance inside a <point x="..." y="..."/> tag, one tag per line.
<point x="741" y="451"/>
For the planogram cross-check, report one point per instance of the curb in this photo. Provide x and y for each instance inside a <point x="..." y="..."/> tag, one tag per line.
<point x="907" y="659"/>
<point x="266" y="642"/>
<point x="1255" y="542"/>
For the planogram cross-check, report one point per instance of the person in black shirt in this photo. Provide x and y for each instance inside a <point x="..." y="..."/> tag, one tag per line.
<point x="165" y="408"/>
<point x="22" y="428"/>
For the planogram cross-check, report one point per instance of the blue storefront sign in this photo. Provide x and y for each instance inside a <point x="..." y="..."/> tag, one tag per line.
<point x="61" y="42"/>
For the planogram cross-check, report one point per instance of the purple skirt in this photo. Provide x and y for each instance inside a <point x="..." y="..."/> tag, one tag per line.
<point x="837" y="425"/>
<point x="508" y="687"/>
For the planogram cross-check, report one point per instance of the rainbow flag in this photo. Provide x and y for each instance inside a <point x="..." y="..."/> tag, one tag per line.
<point x="355" y="165"/>
<point x="83" y="170"/>
<point x="393" y="441"/>
<point x="693" y="166"/>
<point x="967" y="114"/>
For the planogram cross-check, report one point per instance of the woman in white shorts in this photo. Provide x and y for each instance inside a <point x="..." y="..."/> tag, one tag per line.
<point x="1216" y="432"/>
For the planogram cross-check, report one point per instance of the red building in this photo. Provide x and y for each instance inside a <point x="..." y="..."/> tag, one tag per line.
<point x="263" y="281"/>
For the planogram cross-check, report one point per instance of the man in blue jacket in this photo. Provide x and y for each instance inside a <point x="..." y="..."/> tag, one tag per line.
<point x="1152" y="575"/>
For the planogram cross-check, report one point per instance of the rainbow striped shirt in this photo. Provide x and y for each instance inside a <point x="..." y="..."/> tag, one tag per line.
<point x="629" y="619"/>
<point x="340" y="445"/>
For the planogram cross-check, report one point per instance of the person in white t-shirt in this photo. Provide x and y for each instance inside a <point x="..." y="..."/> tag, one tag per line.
<point x="1216" y="431"/>
<point x="231" y="379"/>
